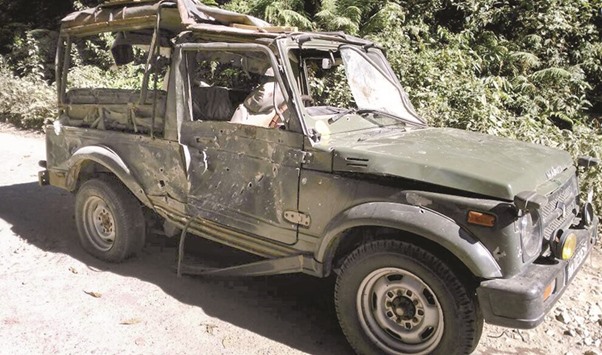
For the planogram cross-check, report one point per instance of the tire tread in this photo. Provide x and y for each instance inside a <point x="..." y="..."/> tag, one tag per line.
<point x="127" y="213"/>
<point x="471" y="319"/>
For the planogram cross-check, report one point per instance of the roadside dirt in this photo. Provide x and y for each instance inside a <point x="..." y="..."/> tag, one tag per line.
<point x="57" y="299"/>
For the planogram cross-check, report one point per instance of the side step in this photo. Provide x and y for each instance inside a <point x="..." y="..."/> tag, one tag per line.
<point x="286" y="265"/>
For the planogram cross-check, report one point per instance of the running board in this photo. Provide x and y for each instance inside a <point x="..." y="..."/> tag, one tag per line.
<point x="285" y="265"/>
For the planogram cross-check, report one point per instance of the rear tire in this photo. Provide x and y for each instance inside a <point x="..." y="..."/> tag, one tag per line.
<point x="109" y="220"/>
<point x="393" y="297"/>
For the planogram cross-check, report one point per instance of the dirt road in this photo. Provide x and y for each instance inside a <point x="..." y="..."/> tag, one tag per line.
<point x="56" y="299"/>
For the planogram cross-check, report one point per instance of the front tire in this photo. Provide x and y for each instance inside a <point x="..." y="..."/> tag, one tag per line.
<point x="109" y="220"/>
<point x="393" y="297"/>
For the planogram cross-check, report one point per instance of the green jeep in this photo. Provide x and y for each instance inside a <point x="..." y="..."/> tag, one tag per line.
<point x="304" y="149"/>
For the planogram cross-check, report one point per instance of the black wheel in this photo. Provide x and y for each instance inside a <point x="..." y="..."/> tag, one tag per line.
<point x="393" y="297"/>
<point x="109" y="220"/>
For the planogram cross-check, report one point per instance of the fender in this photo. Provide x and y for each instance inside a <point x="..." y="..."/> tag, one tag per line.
<point x="106" y="157"/>
<point x="417" y="220"/>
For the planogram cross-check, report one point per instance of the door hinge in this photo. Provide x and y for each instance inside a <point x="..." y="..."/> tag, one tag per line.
<point x="306" y="159"/>
<point x="297" y="217"/>
<point x="303" y="155"/>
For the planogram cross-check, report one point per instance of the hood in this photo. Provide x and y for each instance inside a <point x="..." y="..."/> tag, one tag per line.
<point x="468" y="161"/>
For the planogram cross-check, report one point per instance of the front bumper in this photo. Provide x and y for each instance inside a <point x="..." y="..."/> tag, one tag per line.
<point x="43" y="178"/>
<point x="52" y="177"/>
<point x="518" y="302"/>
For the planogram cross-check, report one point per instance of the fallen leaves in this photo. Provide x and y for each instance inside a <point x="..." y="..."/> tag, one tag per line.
<point x="130" y="321"/>
<point x="93" y="294"/>
<point x="210" y="328"/>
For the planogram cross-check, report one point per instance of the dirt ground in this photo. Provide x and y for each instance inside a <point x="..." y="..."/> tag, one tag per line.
<point x="57" y="299"/>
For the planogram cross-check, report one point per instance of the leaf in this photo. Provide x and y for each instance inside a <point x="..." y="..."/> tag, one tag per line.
<point x="93" y="294"/>
<point x="210" y="328"/>
<point x="529" y="60"/>
<point x="130" y="321"/>
<point x="553" y="73"/>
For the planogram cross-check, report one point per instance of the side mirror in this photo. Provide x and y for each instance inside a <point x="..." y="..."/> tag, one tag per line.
<point x="529" y="200"/>
<point x="327" y="63"/>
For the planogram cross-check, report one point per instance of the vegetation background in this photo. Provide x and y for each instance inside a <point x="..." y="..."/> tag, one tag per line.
<point x="525" y="69"/>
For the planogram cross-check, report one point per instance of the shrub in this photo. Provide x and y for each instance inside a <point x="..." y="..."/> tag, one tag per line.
<point x="33" y="54"/>
<point x="26" y="102"/>
<point x="123" y="77"/>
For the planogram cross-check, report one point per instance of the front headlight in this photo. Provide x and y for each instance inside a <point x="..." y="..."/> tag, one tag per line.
<point x="529" y="228"/>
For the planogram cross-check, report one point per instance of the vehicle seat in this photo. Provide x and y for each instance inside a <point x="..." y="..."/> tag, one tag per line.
<point x="258" y="107"/>
<point x="211" y="103"/>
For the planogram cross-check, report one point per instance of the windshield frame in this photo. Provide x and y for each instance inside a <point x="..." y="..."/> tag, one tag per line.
<point x="308" y="122"/>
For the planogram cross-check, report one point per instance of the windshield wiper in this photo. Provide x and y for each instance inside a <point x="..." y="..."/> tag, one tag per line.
<point x="367" y="111"/>
<point x="338" y="116"/>
<point x="362" y="112"/>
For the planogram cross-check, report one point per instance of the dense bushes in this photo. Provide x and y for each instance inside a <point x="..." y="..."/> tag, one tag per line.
<point x="26" y="102"/>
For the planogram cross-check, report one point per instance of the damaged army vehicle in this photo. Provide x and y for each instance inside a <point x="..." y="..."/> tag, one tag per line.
<point x="237" y="133"/>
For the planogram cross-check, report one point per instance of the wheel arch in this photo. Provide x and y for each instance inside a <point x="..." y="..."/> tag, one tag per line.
<point x="89" y="160"/>
<point x="413" y="224"/>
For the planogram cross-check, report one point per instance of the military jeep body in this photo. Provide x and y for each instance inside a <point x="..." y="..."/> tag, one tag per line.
<point x="304" y="149"/>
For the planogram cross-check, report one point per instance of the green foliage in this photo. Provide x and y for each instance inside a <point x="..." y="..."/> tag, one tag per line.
<point x="96" y="51"/>
<point x="33" y="54"/>
<point x="332" y="18"/>
<point x="278" y="12"/>
<point x="359" y="18"/>
<point x="92" y="66"/>
<point x="17" y="17"/>
<point x="214" y="73"/>
<point x="26" y="102"/>
<point x="122" y="77"/>
<point x="331" y="88"/>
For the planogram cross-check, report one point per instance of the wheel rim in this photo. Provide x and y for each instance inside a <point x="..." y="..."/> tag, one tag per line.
<point x="99" y="223"/>
<point x="399" y="312"/>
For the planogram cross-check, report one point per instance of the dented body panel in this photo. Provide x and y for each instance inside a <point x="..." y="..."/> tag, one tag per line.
<point x="231" y="166"/>
<point x="143" y="164"/>
<point x="318" y="180"/>
<point x="467" y="161"/>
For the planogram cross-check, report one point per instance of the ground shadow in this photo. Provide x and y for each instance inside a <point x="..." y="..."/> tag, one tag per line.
<point x="295" y="310"/>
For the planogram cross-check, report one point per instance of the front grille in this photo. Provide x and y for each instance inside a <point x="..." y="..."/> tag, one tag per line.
<point x="561" y="206"/>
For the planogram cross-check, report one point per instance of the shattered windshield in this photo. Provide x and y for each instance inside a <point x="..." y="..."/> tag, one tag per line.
<point x="371" y="89"/>
<point x="344" y="89"/>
